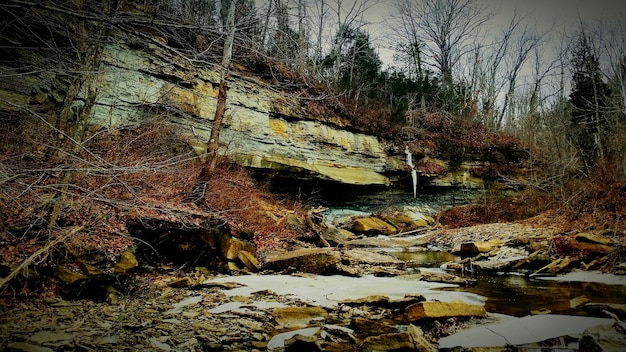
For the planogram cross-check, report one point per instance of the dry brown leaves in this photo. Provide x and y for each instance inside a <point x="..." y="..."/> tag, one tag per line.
<point x="145" y="170"/>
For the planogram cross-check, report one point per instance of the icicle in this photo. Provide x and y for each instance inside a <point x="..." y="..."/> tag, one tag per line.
<point x="409" y="161"/>
<point x="414" y="177"/>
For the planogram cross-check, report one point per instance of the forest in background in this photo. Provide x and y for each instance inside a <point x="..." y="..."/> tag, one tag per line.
<point x="568" y="109"/>
<point x="567" y="102"/>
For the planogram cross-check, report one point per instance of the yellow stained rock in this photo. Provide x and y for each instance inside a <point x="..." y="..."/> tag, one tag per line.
<point x="373" y="224"/>
<point x="387" y="342"/>
<point x="307" y="260"/>
<point x="591" y="238"/>
<point x="289" y="317"/>
<point x="437" y="309"/>
<point x="407" y="221"/>
<point x="231" y="246"/>
<point x="420" y="342"/>
<point x="126" y="262"/>
<point x="371" y="326"/>
<point x="249" y="260"/>
<point x="69" y="276"/>
<point x="279" y="127"/>
<point x="485" y="247"/>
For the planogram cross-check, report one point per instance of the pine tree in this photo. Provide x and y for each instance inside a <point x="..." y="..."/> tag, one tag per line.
<point x="589" y="123"/>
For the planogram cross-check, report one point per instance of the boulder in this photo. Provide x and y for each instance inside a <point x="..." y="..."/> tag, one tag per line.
<point x="430" y="275"/>
<point x="383" y="301"/>
<point x="371" y="327"/>
<point x="437" y="310"/>
<point x="336" y="236"/>
<point x="417" y="215"/>
<point x="231" y="246"/>
<point x="419" y="341"/>
<point x="249" y="260"/>
<point x="373" y="225"/>
<point x="398" y="341"/>
<point x="362" y="256"/>
<point x="406" y="222"/>
<point x="126" y="262"/>
<point x="470" y="249"/>
<point x="605" y="337"/>
<point x="70" y="275"/>
<point x="502" y="258"/>
<point x="309" y="260"/>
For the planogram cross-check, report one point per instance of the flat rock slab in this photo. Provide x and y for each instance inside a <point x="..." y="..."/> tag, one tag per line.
<point x="290" y="317"/>
<point x="362" y="256"/>
<point x="327" y="291"/>
<point x="438" y="309"/>
<point x="308" y="260"/>
<point x="603" y="338"/>
<point x="519" y="331"/>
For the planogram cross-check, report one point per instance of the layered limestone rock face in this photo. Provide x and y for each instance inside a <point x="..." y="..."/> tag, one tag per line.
<point x="264" y="128"/>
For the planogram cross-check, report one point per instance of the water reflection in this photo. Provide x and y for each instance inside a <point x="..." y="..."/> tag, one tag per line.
<point x="514" y="293"/>
<point x="517" y="295"/>
<point x="425" y="258"/>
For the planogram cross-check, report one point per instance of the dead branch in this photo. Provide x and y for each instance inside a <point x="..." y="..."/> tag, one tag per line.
<point x="35" y="255"/>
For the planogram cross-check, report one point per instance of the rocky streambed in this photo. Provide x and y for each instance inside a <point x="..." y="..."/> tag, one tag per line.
<point x="369" y="283"/>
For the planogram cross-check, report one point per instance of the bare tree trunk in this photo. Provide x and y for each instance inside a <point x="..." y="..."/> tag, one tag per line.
<point x="266" y="24"/>
<point x="213" y="144"/>
<point x="85" y="81"/>
<point x="320" y="31"/>
<point x="301" y="55"/>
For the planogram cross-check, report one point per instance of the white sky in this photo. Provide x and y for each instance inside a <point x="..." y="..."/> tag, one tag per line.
<point x="544" y="13"/>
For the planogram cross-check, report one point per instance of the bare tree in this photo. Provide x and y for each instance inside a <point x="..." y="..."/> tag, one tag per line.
<point x="526" y="42"/>
<point x="614" y="48"/>
<point x="447" y="29"/>
<point x="349" y="16"/>
<point x="490" y="67"/>
<point x="213" y="143"/>
<point x="321" y="11"/>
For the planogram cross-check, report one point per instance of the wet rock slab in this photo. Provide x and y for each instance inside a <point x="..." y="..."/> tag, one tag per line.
<point x="520" y="331"/>
<point x="327" y="291"/>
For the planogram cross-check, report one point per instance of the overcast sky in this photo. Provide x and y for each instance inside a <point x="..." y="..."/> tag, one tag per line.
<point x="544" y="13"/>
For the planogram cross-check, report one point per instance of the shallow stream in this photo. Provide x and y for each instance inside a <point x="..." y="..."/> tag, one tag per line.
<point x="514" y="293"/>
<point x="511" y="293"/>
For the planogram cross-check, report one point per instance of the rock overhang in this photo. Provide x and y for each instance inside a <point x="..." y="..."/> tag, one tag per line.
<point x="263" y="128"/>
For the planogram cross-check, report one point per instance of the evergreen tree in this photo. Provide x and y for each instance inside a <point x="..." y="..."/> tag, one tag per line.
<point x="589" y="123"/>
<point x="359" y="64"/>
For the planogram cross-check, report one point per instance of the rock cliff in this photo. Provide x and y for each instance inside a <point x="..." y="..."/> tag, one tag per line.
<point x="264" y="127"/>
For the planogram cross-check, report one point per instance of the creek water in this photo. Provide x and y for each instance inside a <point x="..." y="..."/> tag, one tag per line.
<point x="515" y="293"/>
<point x="511" y="293"/>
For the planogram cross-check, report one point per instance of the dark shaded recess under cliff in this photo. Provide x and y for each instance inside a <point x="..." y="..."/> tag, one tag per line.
<point x="332" y="194"/>
<point x="174" y="243"/>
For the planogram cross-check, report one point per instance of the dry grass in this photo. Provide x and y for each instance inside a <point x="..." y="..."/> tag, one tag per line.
<point x="593" y="204"/>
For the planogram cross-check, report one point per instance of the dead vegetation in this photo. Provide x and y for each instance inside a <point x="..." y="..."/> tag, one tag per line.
<point x="596" y="204"/>
<point x="118" y="175"/>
